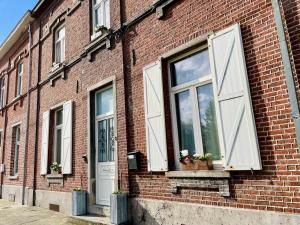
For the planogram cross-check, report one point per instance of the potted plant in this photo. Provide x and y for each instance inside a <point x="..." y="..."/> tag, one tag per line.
<point x="55" y="168"/>
<point x="78" y="202"/>
<point x="195" y="162"/>
<point x="118" y="207"/>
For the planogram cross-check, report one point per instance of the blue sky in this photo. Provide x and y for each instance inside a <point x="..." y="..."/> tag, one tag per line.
<point x="11" y="11"/>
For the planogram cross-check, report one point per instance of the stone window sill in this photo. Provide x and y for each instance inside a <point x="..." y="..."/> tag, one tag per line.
<point x="55" y="179"/>
<point x="16" y="177"/>
<point x="206" y="179"/>
<point x="198" y="174"/>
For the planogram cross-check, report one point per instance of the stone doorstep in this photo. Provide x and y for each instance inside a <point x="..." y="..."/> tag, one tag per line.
<point x="92" y="220"/>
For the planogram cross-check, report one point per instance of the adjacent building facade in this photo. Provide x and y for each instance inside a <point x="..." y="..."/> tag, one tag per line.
<point x="89" y="85"/>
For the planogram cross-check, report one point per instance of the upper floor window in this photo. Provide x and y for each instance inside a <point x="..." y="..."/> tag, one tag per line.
<point x="101" y="15"/>
<point x="2" y="92"/>
<point x="19" y="79"/>
<point x="59" y="48"/>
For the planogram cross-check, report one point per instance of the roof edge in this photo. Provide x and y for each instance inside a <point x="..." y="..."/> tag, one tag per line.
<point x="15" y="34"/>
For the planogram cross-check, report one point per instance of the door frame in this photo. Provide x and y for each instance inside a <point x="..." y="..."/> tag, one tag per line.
<point x="90" y="94"/>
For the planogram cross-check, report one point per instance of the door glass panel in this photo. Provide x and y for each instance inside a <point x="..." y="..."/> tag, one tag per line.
<point x="111" y="138"/>
<point x="208" y="121"/>
<point x="104" y="101"/>
<point x="185" y="122"/>
<point x="102" y="141"/>
<point x="190" y="68"/>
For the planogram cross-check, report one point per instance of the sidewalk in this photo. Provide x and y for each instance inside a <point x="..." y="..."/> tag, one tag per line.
<point x="16" y="214"/>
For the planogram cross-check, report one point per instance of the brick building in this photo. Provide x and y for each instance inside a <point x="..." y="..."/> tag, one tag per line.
<point x="84" y="83"/>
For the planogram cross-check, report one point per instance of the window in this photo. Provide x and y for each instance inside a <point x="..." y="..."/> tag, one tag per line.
<point x="15" y="150"/>
<point x="2" y="92"/>
<point x="59" y="45"/>
<point x="57" y="146"/>
<point x="19" y="79"/>
<point x="193" y="104"/>
<point x="101" y="15"/>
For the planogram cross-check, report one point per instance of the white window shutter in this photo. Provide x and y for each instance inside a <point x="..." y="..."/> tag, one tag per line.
<point x="45" y="143"/>
<point x="155" y="118"/>
<point x="234" y="108"/>
<point x="66" y="154"/>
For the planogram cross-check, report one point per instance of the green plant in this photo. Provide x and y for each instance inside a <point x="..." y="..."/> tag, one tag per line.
<point x="77" y="189"/>
<point x="118" y="192"/>
<point x="206" y="157"/>
<point x="55" y="167"/>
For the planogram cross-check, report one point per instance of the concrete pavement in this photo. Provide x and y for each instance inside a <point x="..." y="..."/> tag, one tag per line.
<point x="16" y="214"/>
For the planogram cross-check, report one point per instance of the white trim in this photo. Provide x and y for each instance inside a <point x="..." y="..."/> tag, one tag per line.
<point x="190" y="86"/>
<point x="16" y="124"/>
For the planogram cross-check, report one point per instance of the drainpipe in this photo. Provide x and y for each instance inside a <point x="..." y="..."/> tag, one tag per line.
<point x="28" y="115"/>
<point x="287" y="68"/>
<point x="37" y="124"/>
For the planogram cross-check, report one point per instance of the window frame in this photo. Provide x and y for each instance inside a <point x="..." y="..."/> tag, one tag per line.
<point x="19" y="79"/>
<point x="56" y="41"/>
<point x="2" y="91"/>
<point x="56" y="128"/>
<point x="17" y="143"/>
<point x="191" y="86"/>
<point x="106" y="18"/>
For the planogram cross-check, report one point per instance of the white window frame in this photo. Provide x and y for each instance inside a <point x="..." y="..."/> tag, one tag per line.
<point x="16" y="149"/>
<point x="105" y="18"/>
<point x="2" y="91"/>
<point x="62" y="40"/>
<point x="56" y="128"/>
<point x="192" y="87"/>
<point x="19" y="79"/>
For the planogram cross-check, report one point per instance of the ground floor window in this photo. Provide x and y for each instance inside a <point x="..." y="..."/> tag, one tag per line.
<point x="15" y="150"/>
<point x="193" y="104"/>
<point x="57" y="137"/>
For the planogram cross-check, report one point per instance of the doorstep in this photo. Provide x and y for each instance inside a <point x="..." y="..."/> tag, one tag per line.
<point x="92" y="220"/>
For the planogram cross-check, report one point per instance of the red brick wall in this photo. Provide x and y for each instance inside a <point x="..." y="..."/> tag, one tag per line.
<point x="276" y="187"/>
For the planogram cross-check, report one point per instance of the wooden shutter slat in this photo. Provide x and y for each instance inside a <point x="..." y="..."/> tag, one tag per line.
<point x="66" y="153"/>
<point x="45" y="143"/>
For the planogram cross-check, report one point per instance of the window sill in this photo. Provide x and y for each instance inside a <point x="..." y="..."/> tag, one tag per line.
<point x="198" y="174"/>
<point x="207" y="179"/>
<point x="16" y="177"/>
<point x="55" y="179"/>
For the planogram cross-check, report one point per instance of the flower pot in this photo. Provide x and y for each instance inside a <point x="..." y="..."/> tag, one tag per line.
<point x="78" y="203"/>
<point x="196" y="165"/>
<point x="54" y="172"/>
<point x="118" y="208"/>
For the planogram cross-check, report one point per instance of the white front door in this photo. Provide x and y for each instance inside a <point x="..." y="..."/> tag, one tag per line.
<point x="105" y="145"/>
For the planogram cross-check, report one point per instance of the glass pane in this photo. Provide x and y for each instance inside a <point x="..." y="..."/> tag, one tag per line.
<point x="58" y="52"/>
<point x="99" y="16"/>
<point x="104" y="101"/>
<point x="185" y="122"/>
<point x="20" y="68"/>
<point x="111" y="138"/>
<point x="102" y="141"/>
<point x="208" y="121"/>
<point x="190" y="68"/>
<point x="58" y="146"/>
<point x="59" y="117"/>
<point x="16" y="160"/>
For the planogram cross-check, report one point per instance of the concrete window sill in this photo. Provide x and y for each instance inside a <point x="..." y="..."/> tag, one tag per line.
<point x="198" y="174"/>
<point x="13" y="177"/>
<point x="200" y="179"/>
<point x="55" y="179"/>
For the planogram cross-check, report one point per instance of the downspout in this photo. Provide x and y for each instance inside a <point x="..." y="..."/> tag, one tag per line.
<point x="28" y="115"/>
<point x="288" y="71"/>
<point x="37" y="124"/>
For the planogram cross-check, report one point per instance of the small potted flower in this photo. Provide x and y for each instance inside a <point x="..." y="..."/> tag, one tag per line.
<point x="118" y="207"/>
<point x="78" y="202"/>
<point x="55" y="168"/>
<point x="203" y="162"/>
<point x="195" y="162"/>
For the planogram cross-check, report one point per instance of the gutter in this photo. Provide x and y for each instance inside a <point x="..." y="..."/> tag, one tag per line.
<point x="28" y="114"/>
<point x="288" y="71"/>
